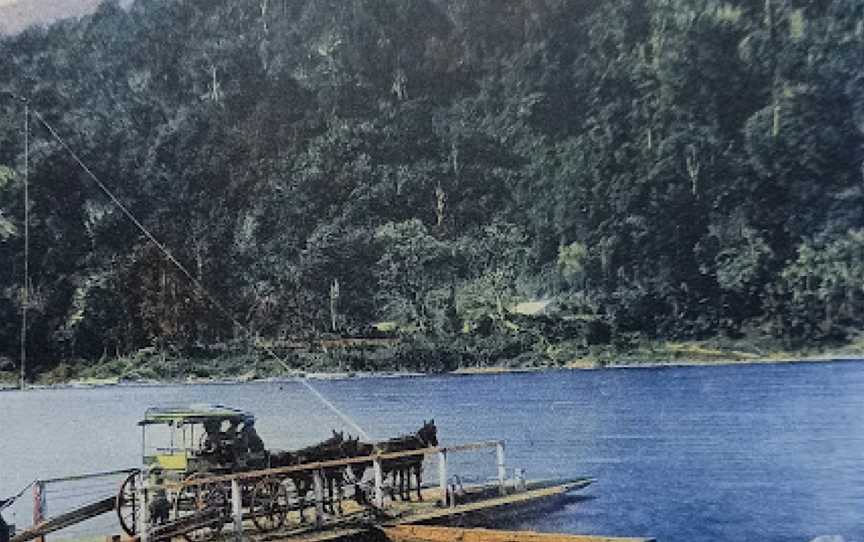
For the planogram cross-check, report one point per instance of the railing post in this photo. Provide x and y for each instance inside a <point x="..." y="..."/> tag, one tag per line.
<point x="319" y="495"/>
<point x="379" y="482"/>
<point x="519" y="482"/>
<point x="143" y="525"/>
<point x="442" y="475"/>
<point x="454" y="488"/>
<point x="237" y="509"/>
<point x="502" y="469"/>
<point x="39" y="506"/>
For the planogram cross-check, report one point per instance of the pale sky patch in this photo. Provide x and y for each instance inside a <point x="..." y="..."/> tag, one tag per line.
<point x="16" y="15"/>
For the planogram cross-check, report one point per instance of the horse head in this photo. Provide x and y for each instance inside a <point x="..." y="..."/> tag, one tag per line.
<point x="428" y="434"/>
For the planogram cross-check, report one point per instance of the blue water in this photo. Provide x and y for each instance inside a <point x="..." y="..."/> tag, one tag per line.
<point x="763" y="452"/>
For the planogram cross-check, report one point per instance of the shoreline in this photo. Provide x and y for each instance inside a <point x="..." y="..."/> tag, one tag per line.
<point x="575" y="365"/>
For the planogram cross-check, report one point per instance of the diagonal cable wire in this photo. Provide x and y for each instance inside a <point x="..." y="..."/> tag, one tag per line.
<point x="9" y="501"/>
<point x="147" y="232"/>
<point x="195" y="282"/>
<point x="331" y="406"/>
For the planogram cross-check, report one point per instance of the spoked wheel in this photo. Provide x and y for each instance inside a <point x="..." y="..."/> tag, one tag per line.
<point x="126" y="504"/>
<point x="269" y="504"/>
<point x="210" y="501"/>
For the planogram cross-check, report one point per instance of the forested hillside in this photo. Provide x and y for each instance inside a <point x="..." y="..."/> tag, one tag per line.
<point x="672" y="168"/>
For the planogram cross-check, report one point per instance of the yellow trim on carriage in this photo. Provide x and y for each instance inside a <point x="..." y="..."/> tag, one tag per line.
<point x="172" y="461"/>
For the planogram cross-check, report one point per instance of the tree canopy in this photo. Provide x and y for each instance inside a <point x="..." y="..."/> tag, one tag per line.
<point x="677" y="168"/>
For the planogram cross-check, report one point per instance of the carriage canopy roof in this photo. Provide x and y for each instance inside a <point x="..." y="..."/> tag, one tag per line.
<point x="194" y="414"/>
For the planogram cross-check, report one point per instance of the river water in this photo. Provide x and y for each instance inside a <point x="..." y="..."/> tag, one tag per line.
<point x="761" y="452"/>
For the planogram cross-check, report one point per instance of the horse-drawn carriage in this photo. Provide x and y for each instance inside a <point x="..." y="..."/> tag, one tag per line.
<point x="181" y="446"/>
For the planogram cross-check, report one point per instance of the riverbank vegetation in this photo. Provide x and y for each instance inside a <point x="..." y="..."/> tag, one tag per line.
<point x="244" y="365"/>
<point x="482" y="182"/>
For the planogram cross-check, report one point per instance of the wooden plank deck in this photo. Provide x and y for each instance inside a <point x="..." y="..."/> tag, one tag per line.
<point x="409" y="521"/>
<point x="479" y="499"/>
<point x="428" y="511"/>
<point x="425" y="533"/>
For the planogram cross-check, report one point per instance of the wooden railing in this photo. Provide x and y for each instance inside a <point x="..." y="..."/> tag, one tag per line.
<point x="317" y="468"/>
<point x="318" y="465"/>
<point x="70" y="506"/>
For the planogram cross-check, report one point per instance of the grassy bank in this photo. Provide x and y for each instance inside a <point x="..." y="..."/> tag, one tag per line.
<point x="717" y="351"/>
<point x="480" y="356"/>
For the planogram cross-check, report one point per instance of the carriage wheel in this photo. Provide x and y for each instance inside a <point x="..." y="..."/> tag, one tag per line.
<point x="126" y="504"/>
<point x="269" y="504"/>
<point x="185" y="502"/>
<point x="211" y="499"/>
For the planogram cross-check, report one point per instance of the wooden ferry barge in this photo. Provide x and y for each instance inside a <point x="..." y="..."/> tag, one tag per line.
<point x="434" y="519"/>
<point x="305" y="501"/>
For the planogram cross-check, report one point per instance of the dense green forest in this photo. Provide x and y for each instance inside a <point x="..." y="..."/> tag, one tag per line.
<point x="652" y="168"/>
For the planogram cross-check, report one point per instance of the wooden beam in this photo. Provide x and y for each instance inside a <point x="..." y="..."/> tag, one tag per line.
<point x="65" y="520"/>
<point x="327" y="464"/>
<point x="89" y="476"/>
<point x="425" y="533"/>
<point x="487" y="504"/>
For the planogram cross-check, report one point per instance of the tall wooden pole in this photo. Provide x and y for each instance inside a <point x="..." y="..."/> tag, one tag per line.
<point x="25" y="292"/>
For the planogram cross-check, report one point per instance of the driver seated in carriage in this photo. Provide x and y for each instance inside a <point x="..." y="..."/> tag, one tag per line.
<point x="213" y="444"/>
<point x="252" y="446"/>
<point x="221" y="447"/>
<point x="245" y="448"/>
<point x="212" y="438"/>
<point x="238" y="447"/>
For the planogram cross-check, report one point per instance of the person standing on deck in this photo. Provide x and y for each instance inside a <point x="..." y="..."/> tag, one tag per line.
<point x="160" y="507"/>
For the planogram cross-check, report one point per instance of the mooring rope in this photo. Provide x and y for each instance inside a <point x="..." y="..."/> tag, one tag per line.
<point x="195" y="282"/>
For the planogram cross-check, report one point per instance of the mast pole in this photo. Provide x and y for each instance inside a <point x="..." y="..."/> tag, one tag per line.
<point x="25" y="291"/>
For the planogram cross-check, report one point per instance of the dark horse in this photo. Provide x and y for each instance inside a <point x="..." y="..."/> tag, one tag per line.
<point x="402" y="468"/>
<point x="336" y="447"/>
